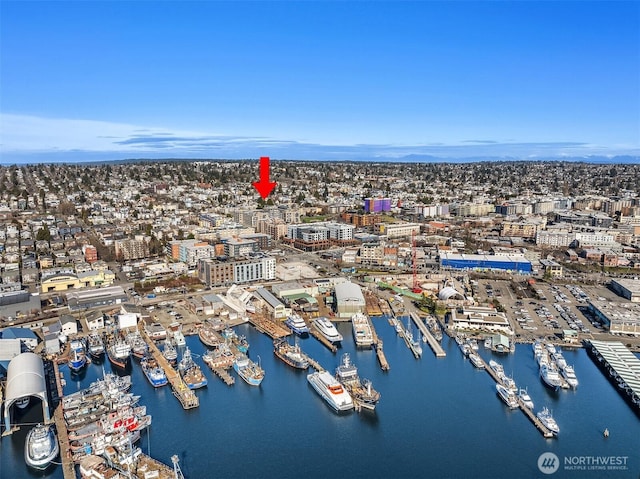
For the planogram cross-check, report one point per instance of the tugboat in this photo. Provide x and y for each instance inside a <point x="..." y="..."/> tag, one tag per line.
<point x="361" y="391"/>
<point x="41" y="446"/>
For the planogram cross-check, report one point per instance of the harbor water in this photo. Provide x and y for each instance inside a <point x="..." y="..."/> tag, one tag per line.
<point x="437" y="418"/>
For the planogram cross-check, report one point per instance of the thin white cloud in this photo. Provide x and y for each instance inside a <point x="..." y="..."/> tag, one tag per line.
<point x="25" y="138"/>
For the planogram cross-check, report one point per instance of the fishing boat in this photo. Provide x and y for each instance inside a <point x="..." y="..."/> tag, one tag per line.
<point x="297" y="324"/>
<point x="250" y="371"/>
<point x="41" y="446"/>
<point x="507" y="396"/>
<point x="95" y="346"/>
<point x="361" y="390"/>
<point x="220" y="357"/>
<point x="154" y="373"/>
<point x="208" y="336"/>
<point x="362" y="332"/>
<point x="119" y="353"/>
<point x="77" y="355"/>
<point x="525" y="398"/>
<point x="169" y="352"/>
<point x="547" y="419"/>
<point x="327" y="329"/>
<point x="191" y="373"/>
<point x="242" y="344"/>
<point x="290" y="354"/>
<point x="331" y="390"/>
<point x="139" y="348"/>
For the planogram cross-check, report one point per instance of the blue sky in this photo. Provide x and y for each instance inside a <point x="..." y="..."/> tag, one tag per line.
<point x="318" y="79"/>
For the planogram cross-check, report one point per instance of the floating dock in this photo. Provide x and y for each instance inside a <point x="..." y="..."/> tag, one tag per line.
<point x="186" y="396"/>
<point x="435" y="346"/>
<point x="403" y="334"/>
<point x="377" y="346"/>
<point x="68" y="469"/>
<point x="527" y="412"/>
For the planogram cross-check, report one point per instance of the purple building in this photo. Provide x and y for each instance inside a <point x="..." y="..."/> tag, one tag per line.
<point x="377" y="205"/>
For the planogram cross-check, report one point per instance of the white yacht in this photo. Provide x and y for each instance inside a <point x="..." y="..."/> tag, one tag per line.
<point x="570" y="375"/>
<point x="327" y="329"/>
<point x="548" y="420"/>
<point x="507" y="396"/>
<point x="526" y="399"/>
<point x="41" y="446"/>
<point x="476" y="361"/>
<point x="362" y="333"/>
<point x="331" y="390"/>
<point x="297" y="324"/>
<point x="550" y="376"/>
<point x="559" y="359"/>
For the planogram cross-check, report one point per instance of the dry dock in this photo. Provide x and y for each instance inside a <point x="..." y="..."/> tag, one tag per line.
<point x="186" y="396"/>
<point x="435" y="345"/>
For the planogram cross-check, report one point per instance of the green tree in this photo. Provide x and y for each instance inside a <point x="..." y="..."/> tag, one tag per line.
<point x="43" y="234"/>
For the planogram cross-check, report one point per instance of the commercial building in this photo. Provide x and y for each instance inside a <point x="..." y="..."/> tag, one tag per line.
<point x="377" y="205"/>
<point x="273" y="305"/>
<point x="224" y="272"/>
<point x="484" y="262"/>
<point x="399" y="230"/>
<point x="236" y="247"/>
<point x="551" y="268"/>
<point x="319" y="236"/>
<point x="619" y="318"/>
<point x="349" y="300"/>
<point x="91" y="298"/>
<point x="25" y="379"/>
<point x="627" y="288"/>
<point x="480" y="318"/>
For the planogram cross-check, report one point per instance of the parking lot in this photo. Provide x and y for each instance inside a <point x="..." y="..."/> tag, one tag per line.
<point x="546" y="309"/>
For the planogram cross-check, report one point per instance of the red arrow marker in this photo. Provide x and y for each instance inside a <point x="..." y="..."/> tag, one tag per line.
<point x="264" y="186"/>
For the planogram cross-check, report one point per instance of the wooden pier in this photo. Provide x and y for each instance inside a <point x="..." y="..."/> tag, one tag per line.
<point x="186" y="396"/>
<point x="527" y="412"/>
<point x="68" y="468"/>
<point x="373" y="305"/>
<point x="377" y="346"/>
<point x="223" y="374"/>
<point x="313" y="331"/>
<point x="314" y="364"/>
<point x="267" y="326"/>
<point x="435" y="345"/>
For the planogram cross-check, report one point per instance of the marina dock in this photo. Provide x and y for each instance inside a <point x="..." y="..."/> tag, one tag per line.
<point x="377" y="346"/>
<point x="223" y="374"/>
<point x="313" y="331"/>
<point x="436" y="347"/>
<point x="527" y="412"/>
<point x="68" y="469"/>
<point x="186" y="396"/>
<point x="266" y="326"/>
